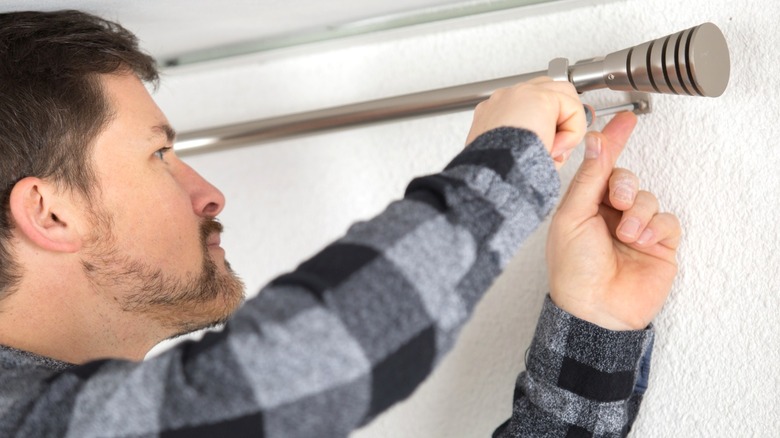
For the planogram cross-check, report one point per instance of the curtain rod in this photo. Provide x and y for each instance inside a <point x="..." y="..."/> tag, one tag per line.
<point x="692" y="62"/>
<point x="456" y="98"/>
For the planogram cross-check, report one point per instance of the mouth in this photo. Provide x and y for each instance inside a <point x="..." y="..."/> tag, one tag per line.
<point x="213" y="240"/>
<point x="210" y="231"/>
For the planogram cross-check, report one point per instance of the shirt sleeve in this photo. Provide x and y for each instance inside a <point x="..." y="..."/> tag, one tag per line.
<point x="581" y="380"/>
<point x="324" y="349"/>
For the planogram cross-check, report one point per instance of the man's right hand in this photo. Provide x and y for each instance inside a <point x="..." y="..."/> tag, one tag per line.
<point x="550" y="109"/>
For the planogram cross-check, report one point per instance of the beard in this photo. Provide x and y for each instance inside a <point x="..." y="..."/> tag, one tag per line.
<point x="180" y="303"/>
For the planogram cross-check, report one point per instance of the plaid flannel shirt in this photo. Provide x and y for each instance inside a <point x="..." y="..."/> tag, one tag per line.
<point x="356" y="328"/>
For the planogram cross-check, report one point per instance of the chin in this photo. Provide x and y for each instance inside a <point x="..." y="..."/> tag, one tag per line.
<point x="214" y="325"/>
<point x="215" y="317"/>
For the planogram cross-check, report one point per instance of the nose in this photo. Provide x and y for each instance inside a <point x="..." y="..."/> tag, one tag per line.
<point x="207" y="200"/>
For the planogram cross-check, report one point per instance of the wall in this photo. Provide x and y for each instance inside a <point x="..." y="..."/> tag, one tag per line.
<point x="716" y="368"/>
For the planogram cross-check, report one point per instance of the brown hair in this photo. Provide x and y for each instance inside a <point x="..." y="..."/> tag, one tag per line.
<point x="52" y="105"/>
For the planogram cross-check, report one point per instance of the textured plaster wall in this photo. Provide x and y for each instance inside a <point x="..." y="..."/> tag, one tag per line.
<point x="714" y="162"/>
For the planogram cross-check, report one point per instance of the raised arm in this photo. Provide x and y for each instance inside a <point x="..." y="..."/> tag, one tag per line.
<point x="324" y="349"/>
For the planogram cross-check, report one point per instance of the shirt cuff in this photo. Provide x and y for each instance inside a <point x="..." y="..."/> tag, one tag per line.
<point x="582" y="358"/>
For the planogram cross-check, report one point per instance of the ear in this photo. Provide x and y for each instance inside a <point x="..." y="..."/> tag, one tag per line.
<point x="45" y="216"/>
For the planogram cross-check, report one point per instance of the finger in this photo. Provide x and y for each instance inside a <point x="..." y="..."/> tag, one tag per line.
<point x="611" y="217"/>
<point x="561" y="159"/>
<point x="665" y="229"/>
<point x="635" y="219"/>
<point x="539" y="80"/>
<point x="564" y="87"/>
<point x="623" y="187"/>
<point x="590" y="184"/>
<point x="572" y="121"/>
<point x="571" y="124"/>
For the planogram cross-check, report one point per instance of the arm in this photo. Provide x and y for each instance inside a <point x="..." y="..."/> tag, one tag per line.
<point x="588" y="365"/>
<point x="356" y="327"/>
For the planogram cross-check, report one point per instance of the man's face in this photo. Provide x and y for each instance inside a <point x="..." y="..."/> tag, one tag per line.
<point x="154" y="247"/>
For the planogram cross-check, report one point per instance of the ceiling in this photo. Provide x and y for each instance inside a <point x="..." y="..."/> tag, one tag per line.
<point x="168" y="28"/>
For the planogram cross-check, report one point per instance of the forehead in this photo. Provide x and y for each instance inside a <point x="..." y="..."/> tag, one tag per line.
<point x="131" y="102"/>
<point x="135" y="115"/>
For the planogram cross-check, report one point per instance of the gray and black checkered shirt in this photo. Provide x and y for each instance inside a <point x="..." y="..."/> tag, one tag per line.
<point x="356" y="328"/>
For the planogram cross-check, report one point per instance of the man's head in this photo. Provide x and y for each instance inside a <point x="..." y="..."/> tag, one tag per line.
<point x="85" y="177"/>
<point x="51" y="105"/>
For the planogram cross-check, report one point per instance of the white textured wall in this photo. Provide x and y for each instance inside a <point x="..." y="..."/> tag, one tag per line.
<point x="714" y="162"/>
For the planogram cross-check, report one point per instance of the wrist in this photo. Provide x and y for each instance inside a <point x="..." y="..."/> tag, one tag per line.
<point x="592" y="314"/>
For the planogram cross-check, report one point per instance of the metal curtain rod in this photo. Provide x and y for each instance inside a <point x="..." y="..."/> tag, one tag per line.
<point x="693" y="62"/>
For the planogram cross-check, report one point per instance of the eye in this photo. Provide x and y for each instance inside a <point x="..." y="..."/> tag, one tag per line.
<point x="160" y="153"/>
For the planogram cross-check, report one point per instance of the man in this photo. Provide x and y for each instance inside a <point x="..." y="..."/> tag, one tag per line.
<point x="110" y="244"/>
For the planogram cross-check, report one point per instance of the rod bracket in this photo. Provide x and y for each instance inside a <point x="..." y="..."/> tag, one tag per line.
<point x="558" y="69"/>
<point x="642" y="101"/>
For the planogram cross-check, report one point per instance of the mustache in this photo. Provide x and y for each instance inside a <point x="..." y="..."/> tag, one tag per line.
<point x="209" y="227"/>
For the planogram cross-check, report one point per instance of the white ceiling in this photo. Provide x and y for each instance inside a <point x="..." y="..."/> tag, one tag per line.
<point x="172" y="27"/>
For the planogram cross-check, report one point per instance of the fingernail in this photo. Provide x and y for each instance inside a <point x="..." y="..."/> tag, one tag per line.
<point x="592" y="147"/>
<point x="630" y="228"/>
<point x="646" y="236"/>
<point x="562" y="156"/>
<point x="624" y="194"/>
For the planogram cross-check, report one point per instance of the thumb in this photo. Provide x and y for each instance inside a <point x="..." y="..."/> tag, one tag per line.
<point x="590" y="184"/>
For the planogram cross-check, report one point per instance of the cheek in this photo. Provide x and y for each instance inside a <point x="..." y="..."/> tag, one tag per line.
<point x="156" y="222"/>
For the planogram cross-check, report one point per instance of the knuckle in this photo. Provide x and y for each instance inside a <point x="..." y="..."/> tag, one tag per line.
<point x="656" y="205"/>
<point x="585" y="175"/>
<point x="482" y="108"/>
<point x="501" y="92"/>
<point x="674" y="222"/>
<point x="566" y="87"/>
<point x="648" y="198"/>
<point x="624" y="173"/>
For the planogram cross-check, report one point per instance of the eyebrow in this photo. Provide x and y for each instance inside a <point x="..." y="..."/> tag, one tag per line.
<point x="167" y="130"/>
